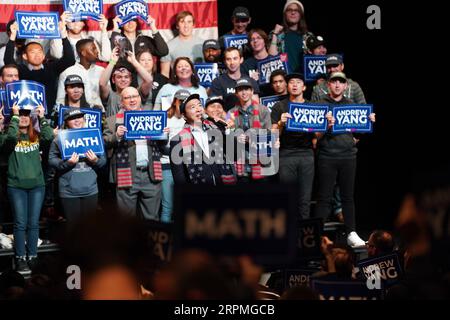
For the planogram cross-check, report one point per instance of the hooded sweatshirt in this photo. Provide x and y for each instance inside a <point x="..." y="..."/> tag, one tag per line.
<point x="336" y="145"/>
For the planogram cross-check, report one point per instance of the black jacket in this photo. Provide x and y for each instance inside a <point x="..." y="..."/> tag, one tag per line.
<point x="336" y="145"/>
<point x="48" y="75"/>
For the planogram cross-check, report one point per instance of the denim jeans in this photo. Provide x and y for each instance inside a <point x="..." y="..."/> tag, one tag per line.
<point x="26" y="205"/>
<point x="167" y="196"/>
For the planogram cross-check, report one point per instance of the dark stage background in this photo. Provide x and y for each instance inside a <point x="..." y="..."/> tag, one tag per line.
<point x="389" y="66"/>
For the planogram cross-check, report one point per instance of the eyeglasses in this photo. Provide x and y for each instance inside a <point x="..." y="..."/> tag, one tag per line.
<point x="131" y="97"/>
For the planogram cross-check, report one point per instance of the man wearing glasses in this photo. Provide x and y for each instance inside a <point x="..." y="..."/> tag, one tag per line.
<point x="135" y="166"/>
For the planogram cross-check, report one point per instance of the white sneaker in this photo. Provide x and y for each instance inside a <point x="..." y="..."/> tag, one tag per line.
<point x="5" y="241"/>
<point x="353" y="240"/>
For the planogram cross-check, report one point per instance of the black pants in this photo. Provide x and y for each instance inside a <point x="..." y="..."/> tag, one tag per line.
<point x="298" y="169"/>
<point x="343" y="172"/>
<point x="75" y="208"/>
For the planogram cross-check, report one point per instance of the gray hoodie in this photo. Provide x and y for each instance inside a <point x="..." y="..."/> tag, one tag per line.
<point x="78" y="180"/>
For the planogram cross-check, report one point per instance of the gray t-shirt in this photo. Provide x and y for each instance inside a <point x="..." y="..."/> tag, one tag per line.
<point x="184" y="48"/>
<point x="113" y="103"/>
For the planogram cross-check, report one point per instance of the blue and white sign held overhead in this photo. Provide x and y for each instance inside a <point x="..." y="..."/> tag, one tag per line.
<point x="84" y="9"/>
<point x="128" y="10"/>
<point x="27" y="94"/>
<point x="37" y="25"/>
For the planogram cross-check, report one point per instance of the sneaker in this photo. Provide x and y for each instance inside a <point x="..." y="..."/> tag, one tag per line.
<point x="5" y="241"/>
<point x="353" y="240"/>
<point x="22" y="266"/>
<point x="32" y="262"/>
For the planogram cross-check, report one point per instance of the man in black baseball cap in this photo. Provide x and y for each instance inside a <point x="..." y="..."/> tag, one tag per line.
<point x="194" y="96"/>
<point x="73" y="113"/>
<point x="335" y="63"/>
<point x="295" y="75"/>
<point x="211" y="51"/>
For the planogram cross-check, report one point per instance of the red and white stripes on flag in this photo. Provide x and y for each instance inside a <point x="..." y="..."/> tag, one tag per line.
<point x="164" y="11"/>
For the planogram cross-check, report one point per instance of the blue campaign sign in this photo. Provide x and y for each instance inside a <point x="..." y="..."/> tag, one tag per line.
<point x="84" y="9"/>
<point x="297" y="277"/>
<point x="262" y="144"/>
<point x="27" y="94"/>
<point x="2" y="100"/>
<point x="207" y="72"/>
<point x="314" y="66"/>
<point x="309" y="239"/>
<point x="145" y="125"/>
<point x="235" y="41"/>
<point x="344" y="290"/>
<point x="128" y="10"/>
<point x="307" y="117"/>
<point x="80" y="141"/>
<point x="92" y="117"/>
<point x="270" y="101"/>
<point x="267" y="66"/>
<point x="352" y="118"/>
<point x="386" y="267"/>
<point x="37" y="25"/>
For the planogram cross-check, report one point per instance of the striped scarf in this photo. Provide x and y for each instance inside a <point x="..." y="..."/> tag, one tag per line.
<point x="240" y="163"/>
<point x="124" y="173"/>
<point x="192" y="155"/>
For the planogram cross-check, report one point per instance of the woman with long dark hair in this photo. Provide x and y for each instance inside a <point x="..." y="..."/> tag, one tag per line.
<point x="26" y="187"/>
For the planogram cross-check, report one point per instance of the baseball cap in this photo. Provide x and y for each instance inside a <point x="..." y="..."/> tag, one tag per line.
<point x="243" y="82"/>
<point x="182" y="94"/>
<point x="73" y="113"/>
<point x="191" y="97"/>
<point x="241" y="13"/>
<point x="334" y="59"/>
<point x="73" y="79"/>
<point x="314" y="41"/>
<point x="211" y="43"/>
<point x="295" y="75"/>
<point x="215" y="99"/>
<point x="338" y="75"/>
<point x="121" y="67"/>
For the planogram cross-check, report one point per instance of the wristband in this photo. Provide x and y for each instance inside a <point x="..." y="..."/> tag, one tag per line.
<point x="112" y="62"/>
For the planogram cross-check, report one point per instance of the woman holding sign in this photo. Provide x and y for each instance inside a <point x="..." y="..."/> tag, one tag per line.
<point x="26" y="187"/>
<point x="77" y="177"/>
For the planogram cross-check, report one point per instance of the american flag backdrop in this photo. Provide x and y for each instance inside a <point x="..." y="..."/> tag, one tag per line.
<point x="164" y="11"/>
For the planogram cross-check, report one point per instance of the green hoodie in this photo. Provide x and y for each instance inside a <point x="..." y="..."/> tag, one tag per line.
<point x="24" y="159"/>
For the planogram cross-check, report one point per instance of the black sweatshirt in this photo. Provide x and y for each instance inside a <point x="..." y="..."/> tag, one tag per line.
<point x="48" y="75"/>
<point x="337" y="145"/>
